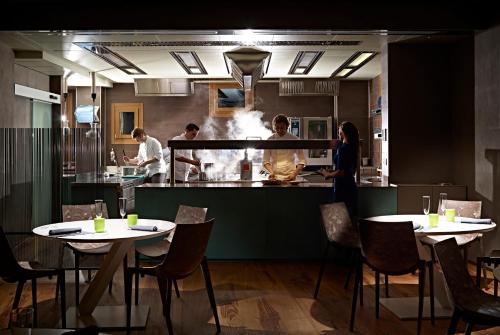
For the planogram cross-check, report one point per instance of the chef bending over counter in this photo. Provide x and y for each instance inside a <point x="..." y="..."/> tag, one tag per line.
<point x="283" y="164"/>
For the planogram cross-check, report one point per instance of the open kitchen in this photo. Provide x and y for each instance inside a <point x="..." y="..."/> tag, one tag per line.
<point x="113" y="140"/>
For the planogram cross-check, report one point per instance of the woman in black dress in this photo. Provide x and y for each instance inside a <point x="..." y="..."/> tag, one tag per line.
<point x="346" y="159"/>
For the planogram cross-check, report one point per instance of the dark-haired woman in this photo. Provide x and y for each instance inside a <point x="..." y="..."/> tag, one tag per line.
<point x="345" y="159"/>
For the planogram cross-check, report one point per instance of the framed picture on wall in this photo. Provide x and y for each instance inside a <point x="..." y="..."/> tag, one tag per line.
<point x="227" y="98"/>
<point x="126" y="117"/>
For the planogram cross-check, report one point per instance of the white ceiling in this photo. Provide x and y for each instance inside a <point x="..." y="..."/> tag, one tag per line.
<point x="158" y="63"/>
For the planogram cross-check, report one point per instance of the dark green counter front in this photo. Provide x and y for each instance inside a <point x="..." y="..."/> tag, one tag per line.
<point x="259" y="222"/>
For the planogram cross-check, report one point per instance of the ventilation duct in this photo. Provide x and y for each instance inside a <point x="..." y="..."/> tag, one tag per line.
<point x="247" y="65"/>
<point x="308" y="87"/>
<point x="163" y="87"/>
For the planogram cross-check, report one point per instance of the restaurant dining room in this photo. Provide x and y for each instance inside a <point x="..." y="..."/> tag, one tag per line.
<point x="259" y="168"/>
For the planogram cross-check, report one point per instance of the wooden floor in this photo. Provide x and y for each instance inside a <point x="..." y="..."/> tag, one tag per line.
<point x="253" y="298"/>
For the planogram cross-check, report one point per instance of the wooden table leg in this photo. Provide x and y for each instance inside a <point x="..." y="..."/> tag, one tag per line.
<point x="105" y="274"/>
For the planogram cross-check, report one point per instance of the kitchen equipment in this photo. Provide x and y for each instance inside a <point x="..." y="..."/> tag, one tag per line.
<point x="128" y="170"/>
<point x="313" y="128"/>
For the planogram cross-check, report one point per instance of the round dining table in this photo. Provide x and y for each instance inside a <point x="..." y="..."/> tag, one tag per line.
<point x="122" y="238"/>
<point x="406" y="308"/>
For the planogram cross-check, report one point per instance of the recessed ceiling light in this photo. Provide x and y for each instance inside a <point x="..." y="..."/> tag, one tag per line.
<point x="304" y="62"/>
<point x="111" y="57"/>
<point x="353" y="63"/>
<point x="189" y="61"/>
<point x="361" y="58"/>
<point x="344" y="72"/>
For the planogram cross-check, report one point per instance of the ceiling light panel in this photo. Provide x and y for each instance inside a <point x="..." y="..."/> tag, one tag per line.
<point x="111" y="57"/>
<point x="304" y="62"/>
<point x="189" y="61"/>
<point x="353" y="63"/>
<point x="360" y="59"/>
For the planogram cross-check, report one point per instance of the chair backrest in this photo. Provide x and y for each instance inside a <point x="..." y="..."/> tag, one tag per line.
<point x="389" y="247"/>
<point x="10" y="270"/>
<point x="466" y="209"/>
<point x="82" y="212"/>
<point x="190" y="215"/>
<point x="338" y="225"/>
<point x="456" y="275"/>
<point x="186" y="250"/>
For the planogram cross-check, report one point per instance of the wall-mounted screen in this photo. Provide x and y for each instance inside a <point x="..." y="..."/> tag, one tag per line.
<point x="84" y="114"/>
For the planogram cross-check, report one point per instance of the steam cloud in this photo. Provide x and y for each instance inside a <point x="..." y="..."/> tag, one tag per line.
<point x="243" y="125"/>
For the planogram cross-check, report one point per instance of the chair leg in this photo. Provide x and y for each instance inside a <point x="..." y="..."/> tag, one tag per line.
<point x="165" y="287"/>
<point x="60" y="266"/>
<point x="177" y="293"/>
<point x="125" y="269"/>
<point x="77" y="279"/>
<point x="360" y="261"/>
<point x="377" y="294"/>
<point x="468" y="328"/>
<point x="321" y="270"/>
<point x="137" y="278"/>
<point x="352" y="264"/>
<point x="452" y="329"/>
<point x="357" y="284"/>
<point x="89" y="275"/>
<point x="110" y="285"/>
<point x="33" y="299"/>
<point x="62" y="282"/>
<point x="210" y="291"/>
<point x="421" y="286"/>
<point x="386" y="286"/>
<point x="479" y="263"/>
<point x="431" y="291"/>
<point x="17" y="297"/>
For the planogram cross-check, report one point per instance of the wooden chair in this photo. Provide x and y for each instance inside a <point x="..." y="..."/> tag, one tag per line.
<point x="390" y="248"/>
<point x="470" y="303"/>
<point x="468" y="209"/>
<point x="340" y="232"/>
<point x="186" y="253"/>
<point x="13" y="271"/>
<point x="157" y="251"/>
<point x="78" y="213"/>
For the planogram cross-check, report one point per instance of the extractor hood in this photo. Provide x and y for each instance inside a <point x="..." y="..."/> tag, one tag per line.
<point x="163" y="87"/>
<point x="247" y="65"/>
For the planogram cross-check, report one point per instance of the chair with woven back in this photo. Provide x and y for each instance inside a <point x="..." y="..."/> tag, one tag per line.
<point x="391" y="248"/>
<point x="79" y="213"/>
<point x="186" y="253"/>
<point x="471" y="304"/>
<point x="13" y="271"/>
<point x="466" y="209"/>
<point x="156" y="252"/>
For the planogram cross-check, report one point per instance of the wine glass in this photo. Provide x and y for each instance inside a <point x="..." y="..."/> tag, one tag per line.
<point x="98" y="208"/>
<point x="123" y="207"/>
<point x="426" y="204"/>
<point x="442" y="203"/>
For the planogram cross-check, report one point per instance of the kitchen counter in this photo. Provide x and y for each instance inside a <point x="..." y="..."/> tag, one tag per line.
<point x="91" y="178"/>
<point x="254" y="221"/>
<point x="86" y="187"/>
<point x="259" y="184"/>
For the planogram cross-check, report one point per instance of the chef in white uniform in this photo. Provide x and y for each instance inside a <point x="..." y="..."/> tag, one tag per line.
<point x="150" y="156"/>
<point x="183" y="157"/>
<point x="283" y="164"/>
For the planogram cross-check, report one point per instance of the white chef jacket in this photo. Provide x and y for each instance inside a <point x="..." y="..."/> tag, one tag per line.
<point x="283" y="161"/>
<point x="149" y="149"/>
<point x="181" y="168"/>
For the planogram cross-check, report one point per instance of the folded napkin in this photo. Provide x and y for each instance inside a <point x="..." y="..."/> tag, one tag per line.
<point x="62" y="231"/>
<point x="145" y="228"/>
<point x="477" y="221"/>
<point x="416" y="226"/>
